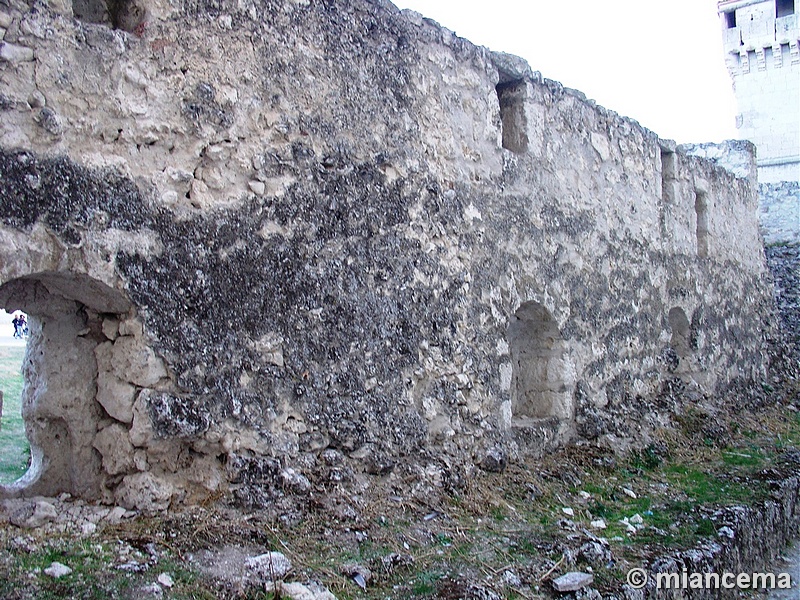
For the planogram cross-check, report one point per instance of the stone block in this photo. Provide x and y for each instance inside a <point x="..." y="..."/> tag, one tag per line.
<point x="133" y="361"/>
<point x="116" y="396"/>
<point x="572" y="582"/>
<point x="145" y="492"/>
<point x="117" y="451"/>
<point x="14" y="54"/>
<point x="270" y="566"/>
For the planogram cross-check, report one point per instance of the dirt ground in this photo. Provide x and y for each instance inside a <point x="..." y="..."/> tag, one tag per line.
<point x="421" y="532"/>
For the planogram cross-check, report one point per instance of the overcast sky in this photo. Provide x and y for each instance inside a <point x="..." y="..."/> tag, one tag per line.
<point x="660" y="63"/>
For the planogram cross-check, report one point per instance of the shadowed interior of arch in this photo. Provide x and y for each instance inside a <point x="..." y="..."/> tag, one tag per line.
<point x="681" y="332"/>
<point x="539" y="388"/>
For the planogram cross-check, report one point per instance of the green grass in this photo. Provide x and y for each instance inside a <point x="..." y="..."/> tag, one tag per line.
<point x="14" y="446"/>
<point x="91" y="578"/>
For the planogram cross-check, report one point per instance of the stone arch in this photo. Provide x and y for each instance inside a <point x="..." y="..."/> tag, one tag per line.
<point x="683" y="361"/>
<point x="66" y="314"/>
<point x="540" y="385"/>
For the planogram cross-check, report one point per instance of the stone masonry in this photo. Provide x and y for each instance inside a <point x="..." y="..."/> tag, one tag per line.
<point x="252" y="233"/>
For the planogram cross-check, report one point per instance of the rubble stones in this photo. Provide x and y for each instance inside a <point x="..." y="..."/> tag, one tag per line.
<point x="115" y="446"/>
<point x="144" y="491"/>
<point x="57" y="570"/>
<point x="299" y="591"/>
<point x="271" y="566"/>
<point x="30" y="515"/>
<point x="360" y="574"/>
<point x="573" y="581"/>
<point x="595" y="553"/>
<point x="116" y="396"/>
<point x="494" y="461"/>
<point x="295" y="482"/>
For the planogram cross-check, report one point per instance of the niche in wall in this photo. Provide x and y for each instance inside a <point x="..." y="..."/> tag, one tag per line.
<point x="511" y="95"/>
<point x="539" y="387"/>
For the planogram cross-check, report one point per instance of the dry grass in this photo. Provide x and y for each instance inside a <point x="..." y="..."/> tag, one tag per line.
<point x="506" y="532"/>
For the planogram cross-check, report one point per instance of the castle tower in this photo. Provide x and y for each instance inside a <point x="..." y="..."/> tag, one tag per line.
<point x="761" y="46"/>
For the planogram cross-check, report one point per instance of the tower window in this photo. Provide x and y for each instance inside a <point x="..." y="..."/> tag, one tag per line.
<point x="730" y="19"/>
<point x="784" y="8"/>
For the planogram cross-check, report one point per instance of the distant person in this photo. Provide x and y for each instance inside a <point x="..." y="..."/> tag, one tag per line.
<point x="20" y="324"/>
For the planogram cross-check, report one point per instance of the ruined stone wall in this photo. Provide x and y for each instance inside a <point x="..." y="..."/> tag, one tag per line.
<point x="251" y="232"/>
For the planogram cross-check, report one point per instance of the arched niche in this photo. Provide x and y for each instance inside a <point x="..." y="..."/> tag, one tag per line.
<point x="681" y="332"/>
<point x="540" y="385"/>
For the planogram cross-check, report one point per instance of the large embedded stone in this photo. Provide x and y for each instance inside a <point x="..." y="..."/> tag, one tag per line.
<point x="134" y="361"/>
<point x="114" y="444"/>
<point x="116" y="396"/>
<point x="571" y="582"/>
<point x="145" y="492"/>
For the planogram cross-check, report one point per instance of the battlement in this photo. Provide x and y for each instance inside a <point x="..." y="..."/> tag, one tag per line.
<point x="760" y="39"/>
<point x="759" y="35"/>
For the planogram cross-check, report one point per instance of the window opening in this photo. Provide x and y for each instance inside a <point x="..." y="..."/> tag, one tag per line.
<point x="514" y="123"/>
<point x="784" y="8"/>
<point x="730" y="19"/>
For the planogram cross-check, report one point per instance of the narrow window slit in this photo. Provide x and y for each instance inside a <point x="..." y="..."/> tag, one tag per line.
<point x="514" y="123"/>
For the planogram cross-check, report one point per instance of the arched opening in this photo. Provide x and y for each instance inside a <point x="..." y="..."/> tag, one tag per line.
<point x="681" y="337"/>
<point x="59" y="407"/>
<point x="540" y="386"/>
<point x="14" y="446"/>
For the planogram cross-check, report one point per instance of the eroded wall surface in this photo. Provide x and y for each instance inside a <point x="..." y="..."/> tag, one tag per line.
<point x="271" y="229"/>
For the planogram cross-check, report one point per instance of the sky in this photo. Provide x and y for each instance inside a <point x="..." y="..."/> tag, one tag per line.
<point x="660" y="63"/>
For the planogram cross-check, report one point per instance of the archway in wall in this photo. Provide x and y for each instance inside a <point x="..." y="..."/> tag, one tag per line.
<point x="540" y="387"/>
<point x="14" y="447"/>
<point x="59" y="409"/>
<point x="681" y="338"/>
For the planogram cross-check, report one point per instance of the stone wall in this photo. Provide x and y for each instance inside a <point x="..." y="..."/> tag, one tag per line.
<point x="779" y="212"/>
<point x="779" y="203"/>
<point x="248" y="233"/>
